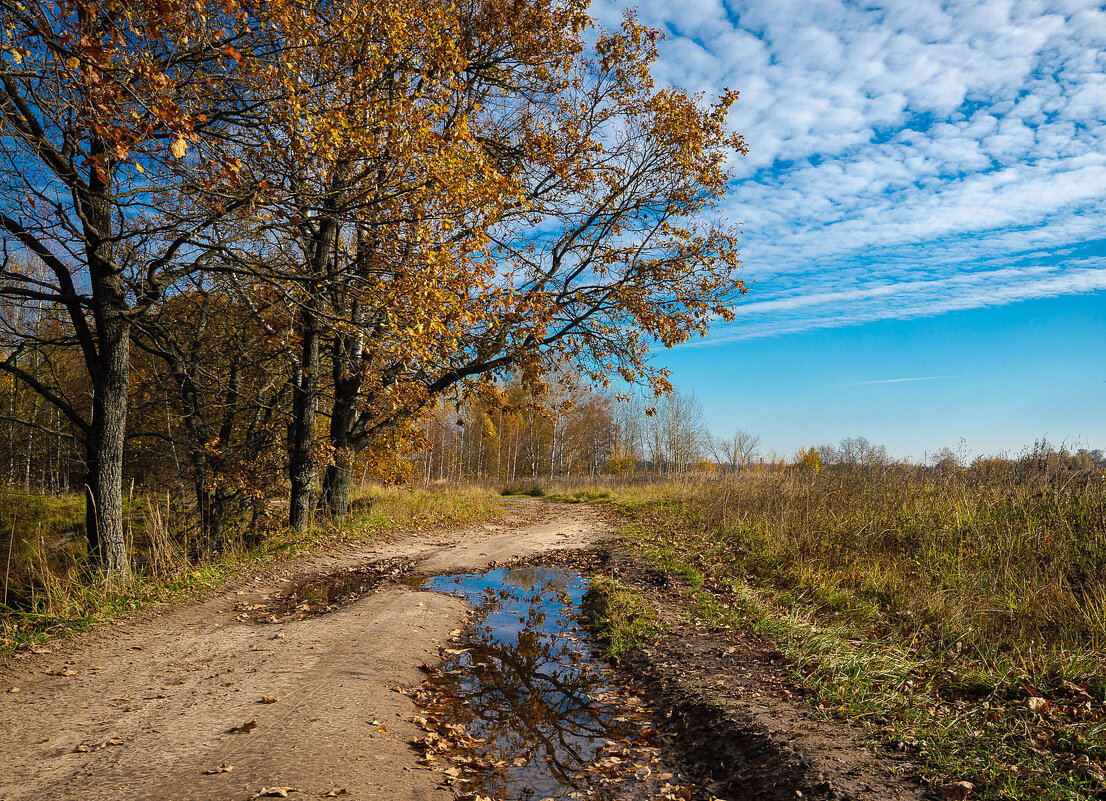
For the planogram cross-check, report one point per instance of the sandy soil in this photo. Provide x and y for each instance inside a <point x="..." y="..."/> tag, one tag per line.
<point x="153" y="707"/>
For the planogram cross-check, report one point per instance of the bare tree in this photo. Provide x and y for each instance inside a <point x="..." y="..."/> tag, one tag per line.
<point x="735" y="451"/>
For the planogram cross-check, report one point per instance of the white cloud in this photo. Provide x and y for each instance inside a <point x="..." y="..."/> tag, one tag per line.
<point x="906" y="158"/>
<point x="905" y="299"/>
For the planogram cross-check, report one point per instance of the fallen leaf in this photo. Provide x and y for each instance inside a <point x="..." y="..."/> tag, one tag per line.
<point x="87" y="747"/>
<point x="275" y="792"/>
<point x="245" y="728"/>
<point x="337" y="791"/>
<point x="1074" y="689"/>
<point x="59" y="672"/>
<point x="224" y="768"/>
<point x="956" y="791"/>
<point x="13" y="689"/>
<point x="270" y="699"/>
<point x="1037" y="705"/>
<point x="425" y="668"/>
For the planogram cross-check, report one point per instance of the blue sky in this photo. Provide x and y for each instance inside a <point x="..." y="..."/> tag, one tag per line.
<point x="924" y="198"/>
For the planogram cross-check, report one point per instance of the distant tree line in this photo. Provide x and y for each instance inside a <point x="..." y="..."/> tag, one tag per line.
<point x="570" y="428"/>
<point x="511" y="434"/>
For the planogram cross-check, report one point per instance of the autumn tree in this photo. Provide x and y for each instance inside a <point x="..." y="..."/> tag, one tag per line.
<point x="209" y="402"/>
<point x="511" y="432"/>
<point x="37" y="441"/>
<point x="99" y="106"/>
<point x="606" y="250"/>
<point x="378" y="188"/>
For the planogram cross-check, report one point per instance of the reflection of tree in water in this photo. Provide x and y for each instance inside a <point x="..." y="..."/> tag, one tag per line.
<point x="528" y="685"/>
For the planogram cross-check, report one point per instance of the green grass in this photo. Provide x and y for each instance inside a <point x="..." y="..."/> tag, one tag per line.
<point x="929" y="607"/>
<point x="528" y="490"/>
<point x="620" y="615"/>
<point x="54" y="594"/>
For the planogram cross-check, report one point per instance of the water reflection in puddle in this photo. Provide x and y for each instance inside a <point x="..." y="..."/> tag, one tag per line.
<point x="543" y="717"/>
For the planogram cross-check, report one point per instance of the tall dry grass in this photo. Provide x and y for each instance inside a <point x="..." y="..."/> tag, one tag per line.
<point x="49" y="587"/>
<point x="959" y="614"/>
<point x="1007" y="559"/>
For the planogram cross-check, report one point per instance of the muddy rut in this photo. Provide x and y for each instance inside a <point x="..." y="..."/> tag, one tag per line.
<point x="254" y="689"/>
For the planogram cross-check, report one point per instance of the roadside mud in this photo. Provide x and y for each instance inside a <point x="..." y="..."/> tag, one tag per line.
<point x="320" y="594"/>
<point x="738" y="715"/>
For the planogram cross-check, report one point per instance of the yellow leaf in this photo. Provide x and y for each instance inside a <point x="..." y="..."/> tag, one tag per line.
<point x="178" y="148"/>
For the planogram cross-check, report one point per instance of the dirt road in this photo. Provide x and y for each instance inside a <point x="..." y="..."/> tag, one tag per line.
<point x="151" y="709"/>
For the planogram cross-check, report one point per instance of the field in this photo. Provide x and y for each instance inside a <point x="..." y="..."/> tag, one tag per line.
<point x="958" y="614"/>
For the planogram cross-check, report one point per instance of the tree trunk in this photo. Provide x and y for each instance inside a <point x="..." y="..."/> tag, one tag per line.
<point x="305" y="404"/>
<point x="338" y="478"/>
<point x="108" y="364"/>
<point x="346" y="372"/>
<point x="104" y="482"/>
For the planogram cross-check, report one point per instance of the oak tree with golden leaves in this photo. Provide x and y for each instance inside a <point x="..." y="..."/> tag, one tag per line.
<point x="323" y="217"/>
<point x="604" y="246"/>
<point x="106" y="113"/>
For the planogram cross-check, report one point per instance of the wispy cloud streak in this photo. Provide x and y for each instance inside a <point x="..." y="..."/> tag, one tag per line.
<point x="895" y="380"/>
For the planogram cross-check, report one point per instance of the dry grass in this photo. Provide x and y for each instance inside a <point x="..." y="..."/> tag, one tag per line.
<point x="376" y="509"/>
<point x="930" y="605"/>
<point x="49" y="589"/>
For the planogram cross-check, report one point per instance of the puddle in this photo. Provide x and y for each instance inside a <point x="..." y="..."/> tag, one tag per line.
<point x="523" y="708"/>
<point x="322" y="594"/>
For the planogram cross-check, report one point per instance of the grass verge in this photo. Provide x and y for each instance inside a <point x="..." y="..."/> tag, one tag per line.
<point x="54" y="594"/>
<point x="956" y="617"/>
<point x="524" y="490"/>
<point x="622" y="618"/>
